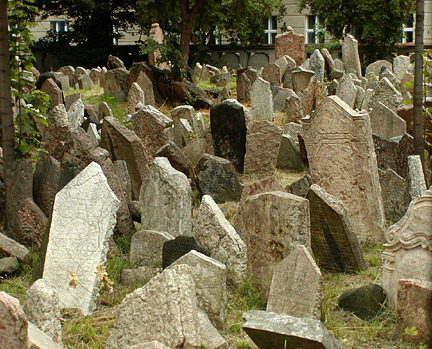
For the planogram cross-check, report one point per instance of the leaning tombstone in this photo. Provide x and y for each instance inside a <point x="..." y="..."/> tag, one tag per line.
<point x="417" y="183"/>
<point x="78" y="234"/>
<point x="350" y="55"/>
<point x="385" y="122"/>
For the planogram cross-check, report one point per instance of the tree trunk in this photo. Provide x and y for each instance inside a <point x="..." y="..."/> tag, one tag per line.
<point x="418" y="83"/>
<point x="185" y="39"/>
<point x="8" y="140"/>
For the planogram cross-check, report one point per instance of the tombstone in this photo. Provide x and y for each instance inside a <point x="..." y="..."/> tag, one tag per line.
<point x="54" y="92"/>
<point x="262" y="147"/>
<point x="78" y="235"/>
<point x="285" y="63"/>
<point x="157" y="35"/>
<point x="166" y="200"/>
<point x="407" y="251"/>
<point x="280" y="95"/>
<point x="75" y="114"/>
<point x="271" y="224"/>
<point x="147" y="87"/>
<point x="171" y="293"/>
<point x="291" y="44"/>
<point x="218" y="180"/>
<point x="228" y="129"/>
<point x="104" y="110"/>
<point x="261" y="100"/>
<point x="417" y="183"/>
<point x="387" y="94"/>
<point x="243" y="86"/>
<point x="271" y="73"/>
<point x="195" y="119"/>
<point x="317" y="64"/>
<point x="350" y="55"/>
<point x="124" y="144"/>
<point x="13" y="323"/>
<point x="293" y="109"/>
<point x="136" y="99"/>
<point x="146" y="248"/>
<point x="301" y="79"/>
<point x="401" y="65"/>
<point x="114" y="62"/>
<point x="289" y="156"/>
<point x="8" y="265"/>
<point x="333" y="240"/>
<point x="116" y="83"/>
<point x="414" y="309"/>
<point x="42" y="309"/>
<point x="261" y="186"/>
<point x="209" y="276"/>
<point x="221" y="79"/>
<point x="312" y="96"/>
<point x="347" y="91"/>
<point x="272" y="330"/>
<point x="177" y="159"/>
<point x="85" y="82"/>
<point x="404" y="148"/>
<point x="385" y="122"/>
<point x="376" y="67"/>
<point x="287" y="294"/>
<point x="95" y="74"/>
<point x="342" y="161"/>
<point x="181" y="245"/>
<point x="218" y="236"/>
<point x="10" y="247"/>
<point x="121" y="170"/>
<point x="152" y="127"/>
<point x="182" y="133"/>
<point x="396" y="197"/>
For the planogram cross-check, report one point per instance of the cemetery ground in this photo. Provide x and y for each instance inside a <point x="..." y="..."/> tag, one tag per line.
<point x="93" y="331"/>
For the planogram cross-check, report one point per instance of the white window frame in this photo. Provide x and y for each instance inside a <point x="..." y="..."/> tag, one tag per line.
<point x="269" y="30"/>
<point x="55" y="25"/>
<point x="406" y="30"/>
<point x="311" y="30"/>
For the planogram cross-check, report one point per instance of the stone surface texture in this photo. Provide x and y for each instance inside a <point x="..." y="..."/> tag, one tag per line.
<point x="165" y="199"/>
<point x="42" y="309"/>
<point x="135" y="99"/>
<point x="271" y="224"/>
<point x="385" y="122"/>
<point x="10" y="247"/>
<point x="13" y="323"/>
<point x="261" y="100"/>
<point x="334" y="242"/>
<point x="290" y="276"/>
<point x="342" y="161"/>
<point x="146" y="248"/>
<point x="350" y="55"/>
<point x="261" y="186"/>
<point x="218" y="236"/>
<point x="272" y="330"/>
<point x="263" y="139"/>
<point x="291" y="44"/>
<point x="417" y="185"/>
<point x="78" y="235"/>
<point x="209" y="276"/>
<point x="395" y="194"/>
<point x="407" y="253"/>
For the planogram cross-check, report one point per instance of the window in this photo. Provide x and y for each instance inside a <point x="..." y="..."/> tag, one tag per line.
<point x="270" y="30"/>
<point x="408" y="30"/>
<point x="314" y="32"/>
<point x="59" y="26"/>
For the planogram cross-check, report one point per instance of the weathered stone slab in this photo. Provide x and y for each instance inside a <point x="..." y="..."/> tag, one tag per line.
<point x="317" y="65"/>
<point x="40" y="340"/>
<point x="280" y="96"/>
<point x="177" y="159"/>
<point x="228" y="129"/>
<point x="13" y="323"/>
<point x="293" y="109"/>
<point x="165" y="199"/>
<point x="417" y="183"/>
<point x="342" y="161"/>
<point x="121" y="170"/>
<point x="272" y="330"/>
<point x="218" y="236"/>
<point x="396" y="197"/>
<point x="414" y="309"/>
<point x="181" y="245"/>
<point x="147" y="87"/>
<point x="271" y="224"/>
<point x="334" y="242"/>
<point x="8" y="265"/>
<point x="195" y="119"/>
<point x="301" y="78"/>
<point x="350" y="55"/>
<point x="347" y="91"/>
<point x="261" y="100"/>
<point x="146" y="248"/>
<point x="300" y="187"/>
<point x="78" y="235"/>
<point x="407" y="253"/>
<point x="263" y="139"/>
<point x="153" y="127"/>
<point x="75" y="114"/>
<point x="261" y="186"/>
<point x="289" y="157"/>
<point x="135" y="98"/>
<point x="291" y="44"/>
<point x="182" y="133"/>
<point x="124" y="144"/>
<point x="209" y="276"/>
<point x="42" y="309"/>
<point x="10" y="247"/>
<point x="385" y="122"/>
<point x="287" y="294"/>
<point x="271" y="73"/>
<point x="53" y="91"/>
<point x="401" y="65"/>
<point x="116" y="83"/>
<point x="376" y="67"/>
<point x="387" y="94"/>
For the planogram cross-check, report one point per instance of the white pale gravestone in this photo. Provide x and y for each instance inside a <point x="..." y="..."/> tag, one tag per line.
<point x="83" y="220"/>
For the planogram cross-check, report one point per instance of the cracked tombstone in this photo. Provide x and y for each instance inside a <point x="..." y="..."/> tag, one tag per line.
<point x="83" y="220"/>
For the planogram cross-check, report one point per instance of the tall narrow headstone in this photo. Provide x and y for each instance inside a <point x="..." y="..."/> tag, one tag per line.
<point x="350" y="55"/>
<point x="342" y="161"/>
<point x="291" y="44"/>
<point x="271" y="224"/>
<point x="82" y="222"/>
<point x="165" y="200"/>
<point x="261" y="100"/>
<point x="417" y="184"/>
<point x="290" y="276"/>
<point x="407" y="253"/>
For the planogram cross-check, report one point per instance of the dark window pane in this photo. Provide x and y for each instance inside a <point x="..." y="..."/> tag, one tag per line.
<point x="274" y="22"/>
<point x="410" y="23"/>
<point x="61" y="27"/>
<point x="273" y="38"/>
<point x="265" y="24"/>
<point x="311" y="22"/>
<point x="311" y="38"/>
<point x="409" y="36"/>
<point x="53" y="25"/>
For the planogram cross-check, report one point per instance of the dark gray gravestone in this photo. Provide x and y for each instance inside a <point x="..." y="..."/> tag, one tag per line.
<point x="181" y="245"/>
<point x="273" y="330"/>
<point x="228" y="128"/>
<point x="333" y="240"/>
<point x="365" y="302"/>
